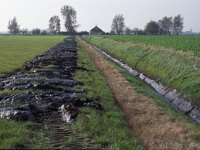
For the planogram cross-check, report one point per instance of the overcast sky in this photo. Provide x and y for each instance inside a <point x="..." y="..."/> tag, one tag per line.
<point x="36" y="13"/>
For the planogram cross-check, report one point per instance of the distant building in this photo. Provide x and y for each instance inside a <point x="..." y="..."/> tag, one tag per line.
<point x="96" y="31"/>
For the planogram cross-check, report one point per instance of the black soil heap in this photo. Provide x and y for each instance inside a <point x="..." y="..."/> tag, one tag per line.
<point x="45" y="84"/>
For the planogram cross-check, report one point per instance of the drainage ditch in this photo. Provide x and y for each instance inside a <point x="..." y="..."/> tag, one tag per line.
<point x="172" y="97"/>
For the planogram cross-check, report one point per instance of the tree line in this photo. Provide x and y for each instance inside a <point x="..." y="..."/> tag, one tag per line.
<point x="164" y="26"/>
<point x="69" y="15"/>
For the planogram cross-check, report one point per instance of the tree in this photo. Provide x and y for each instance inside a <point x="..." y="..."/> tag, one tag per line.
<point x="13" y="26"/>
<point x="135" y="31"/>
<point x="43" y="32"/>
<point x="178" y="24"/>
<point x="69" y="15"/>
<point x="165" y="25"/>
<point x="24" y="31"/>
<point x="54" y="24"/>
<point x="127" y="30"/>
<point x="36" y="31"/>
<point x="118" y="24"/>
<point x="152" y="28"/>
<point x="112" y="32"/>
<point x="141" y="32"/>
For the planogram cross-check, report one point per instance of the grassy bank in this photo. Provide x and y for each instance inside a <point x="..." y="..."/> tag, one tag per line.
<point x="15" y="50"/>
<point x="175" y="69"/>
<point x="107" y="129"/>
<point x="191" y="129"/>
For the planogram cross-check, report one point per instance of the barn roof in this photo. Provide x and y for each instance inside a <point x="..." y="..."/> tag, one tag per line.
<point x="96" y="29"/>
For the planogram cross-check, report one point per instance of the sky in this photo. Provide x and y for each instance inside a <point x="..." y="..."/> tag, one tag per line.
<point x="36" y="13"/>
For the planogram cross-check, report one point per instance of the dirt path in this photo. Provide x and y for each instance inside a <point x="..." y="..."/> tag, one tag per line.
<point x="156" y="130"/>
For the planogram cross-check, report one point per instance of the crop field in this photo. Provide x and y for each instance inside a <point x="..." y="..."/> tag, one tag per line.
<point x="176" y="69"/>
<point x="182" y="43"/>
<point x="15" y="50"/>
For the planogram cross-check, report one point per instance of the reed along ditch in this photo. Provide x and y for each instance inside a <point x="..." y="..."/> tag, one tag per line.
<point x="67" y="102"/>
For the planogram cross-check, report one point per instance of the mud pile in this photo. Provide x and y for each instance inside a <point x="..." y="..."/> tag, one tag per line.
<point x="45" y="85"/>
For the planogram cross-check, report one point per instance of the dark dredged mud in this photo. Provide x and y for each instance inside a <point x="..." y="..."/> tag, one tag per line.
<point x="48" y="97"/>
<point x="48" y="84"/>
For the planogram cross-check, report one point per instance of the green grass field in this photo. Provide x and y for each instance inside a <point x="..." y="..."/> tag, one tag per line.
<point x="182" y="43"/>
<point x="176" y="69"/>
<point x="15" y="50"/>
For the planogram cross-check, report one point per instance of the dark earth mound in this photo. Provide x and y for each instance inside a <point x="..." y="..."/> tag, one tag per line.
<point x="46" y="87"/>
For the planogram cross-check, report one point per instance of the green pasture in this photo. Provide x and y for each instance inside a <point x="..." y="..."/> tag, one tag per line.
<point x="15" y="50"/>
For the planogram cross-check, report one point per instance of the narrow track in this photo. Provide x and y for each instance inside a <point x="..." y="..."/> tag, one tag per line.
<point x="60" y="135"/>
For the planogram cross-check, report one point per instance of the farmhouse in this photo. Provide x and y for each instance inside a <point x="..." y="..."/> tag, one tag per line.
<point x="96" y="31"/>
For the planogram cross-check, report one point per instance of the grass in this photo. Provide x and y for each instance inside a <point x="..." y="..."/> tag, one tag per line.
<point x="15" y="50"/>
<point x="108" y="129"/>
<point x="164" y="108"/>
<point x="9" y="92"/>
<point x="13" y="134"/>
<point x="182" y="43"/>
<point x="175" y="69"/>
<point x="142" y="88"/>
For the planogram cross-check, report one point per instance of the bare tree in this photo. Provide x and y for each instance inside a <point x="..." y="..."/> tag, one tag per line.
<point x="178" y="24"/>
<point x="69" y="15"/>
<point x="118" y="24"/>
<point x="13" y="26"/>
<point x="135" y="31"/>
<point x="166" y="25"/>
<point x="58" y="24"/>
<point x="24" y="31"/>
<point x="54" y="24"/>
<point x="127" y="30"/>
